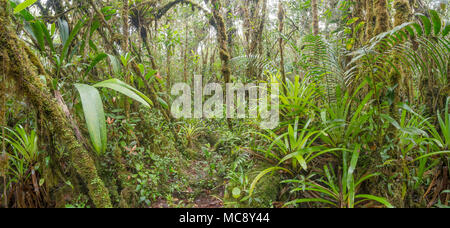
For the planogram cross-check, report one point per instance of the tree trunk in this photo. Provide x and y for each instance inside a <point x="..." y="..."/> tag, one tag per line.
<point x="403" y="12"/>
<point x="254" y="21"/>
<point x="281" y="16"/>
<point x="370" y="20"/>
<point x="401" y="78"/>
<point x="222" y="39"/>
<point x="126" y="29"/>
<point x="358" y="13"/>
<point x="25" y="71"/>
<point x="315" y="17"/>
<point x="383" y="22"/>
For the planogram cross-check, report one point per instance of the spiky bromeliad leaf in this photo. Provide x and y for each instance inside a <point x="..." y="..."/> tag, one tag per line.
<point x="127" y="90"/>
<point x="94" y="115"/>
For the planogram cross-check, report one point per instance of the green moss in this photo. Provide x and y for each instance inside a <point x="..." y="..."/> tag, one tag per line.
<point x="402" y="12"/>
<point x="382" y="16"/>
<point x="370" y="20"/>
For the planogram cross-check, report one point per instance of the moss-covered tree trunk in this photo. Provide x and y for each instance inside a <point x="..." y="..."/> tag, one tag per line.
<point x="315" y="17"/>
<point x="403" y="14"/>
<point x="254" y="20"/>
<point x="222" y="39"/>
<point x="281" y="16"/>
<point x="383" y="22"/>
<point x="358" y="13"/>
<point x="24" y="68"/>
<point x="370" y="20"/>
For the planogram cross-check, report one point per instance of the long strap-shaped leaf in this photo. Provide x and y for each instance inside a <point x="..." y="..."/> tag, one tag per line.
<point x="127" y="90"/>
<point x="24" y="5"/>
<point x="71" y="37"/>
<point x="94" y="115"/>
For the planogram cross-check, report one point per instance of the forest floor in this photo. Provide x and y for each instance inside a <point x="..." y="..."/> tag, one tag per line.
<point x="205" y="189"/>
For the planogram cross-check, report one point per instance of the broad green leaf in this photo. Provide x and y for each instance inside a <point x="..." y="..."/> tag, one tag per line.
<point x="71" y="37"/>
<point x="24" y="5"/>
<point x="53" y="29"/>
<point x="418" y="29"/>
<point x="125" y="89"/>
<point x="94" y="115"/>
<point x="353" y="20"/>
<point x="27" y="16"/>
<point x="446" y="29"/>
<point x="426" y="24"/>
<point x="95" y="61"/>
<point x="163" y="103"/>
<point x="437" y="23"/>
<point x="410" y="31"/>
<point x="302" y="162"/>
<point x="48" y="36"/>
<point x="38" y="34"/>
<point x="63" y="28"/>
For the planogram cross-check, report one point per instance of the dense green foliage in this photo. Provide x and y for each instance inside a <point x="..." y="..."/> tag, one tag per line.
<point x="364" y="104"/>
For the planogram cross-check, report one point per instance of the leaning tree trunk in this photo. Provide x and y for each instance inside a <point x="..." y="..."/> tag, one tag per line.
<point x="24" y="68"/>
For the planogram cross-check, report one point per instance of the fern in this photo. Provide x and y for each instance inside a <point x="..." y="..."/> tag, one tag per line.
<point x="325" y="61"/>
<point x="411" y="43"/>
<point x="260" y="62"/>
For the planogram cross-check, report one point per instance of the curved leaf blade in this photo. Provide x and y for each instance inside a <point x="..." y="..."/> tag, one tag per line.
<point x="437" y="23"/>
<point x="24" y="5"/>
<point x="375" y="198"/>
<point x="125" y="89"/>
<point x="71" y="37"/>
<point x="426" y="24"/>
<point x="261" y="175"/>
<point x="94" y="115"/>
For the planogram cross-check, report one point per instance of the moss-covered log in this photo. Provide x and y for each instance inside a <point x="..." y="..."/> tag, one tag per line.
<point x="26" y="74"/>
